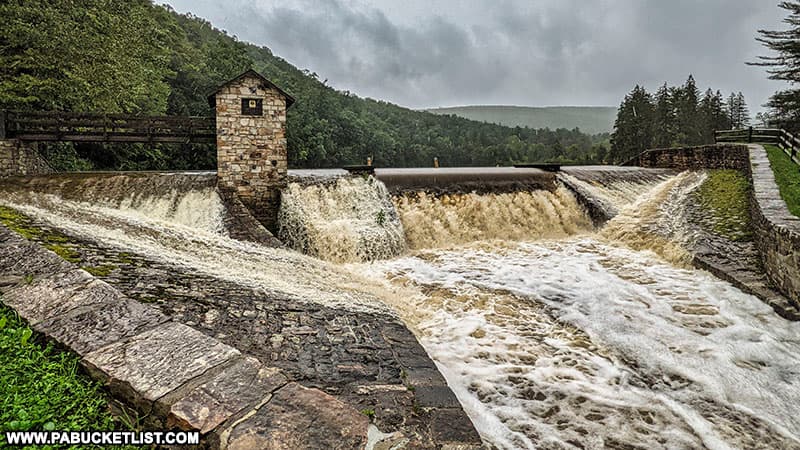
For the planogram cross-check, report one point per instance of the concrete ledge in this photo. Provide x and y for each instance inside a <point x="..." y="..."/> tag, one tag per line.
<point x="449" y="180"/>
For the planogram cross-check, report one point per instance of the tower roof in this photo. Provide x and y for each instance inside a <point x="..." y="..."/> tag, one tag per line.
<point x="251" y="73"/>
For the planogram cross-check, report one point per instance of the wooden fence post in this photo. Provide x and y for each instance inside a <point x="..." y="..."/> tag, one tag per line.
<point x="3" y="117"/>
<point x="750" y="135"/>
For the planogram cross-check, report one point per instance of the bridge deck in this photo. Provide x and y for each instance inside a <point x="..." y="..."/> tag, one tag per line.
<point x="90" y="127"/>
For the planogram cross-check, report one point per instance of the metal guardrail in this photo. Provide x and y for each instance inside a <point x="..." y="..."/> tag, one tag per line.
<point x="782" y="138"/>
<point x="93" y="127"/>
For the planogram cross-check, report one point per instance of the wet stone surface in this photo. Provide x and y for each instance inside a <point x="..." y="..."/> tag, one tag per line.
<point x="368" y="361"/>
<point x="733" y="257"/>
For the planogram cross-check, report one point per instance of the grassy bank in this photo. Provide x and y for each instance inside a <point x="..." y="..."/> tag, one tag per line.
<point x="724" y="197"/>
<point x="41" y="387"/>
<point x="787" y="175"/>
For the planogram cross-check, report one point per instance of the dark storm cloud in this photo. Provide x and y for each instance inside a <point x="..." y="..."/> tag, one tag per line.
<point x="507" y="52"/>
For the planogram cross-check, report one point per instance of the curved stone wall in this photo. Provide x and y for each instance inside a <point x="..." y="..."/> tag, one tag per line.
<point x="777" y="231"/>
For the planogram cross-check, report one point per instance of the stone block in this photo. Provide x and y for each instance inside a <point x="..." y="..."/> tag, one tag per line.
<point x="88" y="328"/>
<point x="435" y="397"/>
<point x="154" y="363"/>
<point x="298" y="417"/>
<point x="453" y="427"/>
<point x="57" y="294"/>
<point x="243" y="385"/>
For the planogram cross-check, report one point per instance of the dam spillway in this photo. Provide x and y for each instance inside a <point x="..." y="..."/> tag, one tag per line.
<point x="550" y="331"/>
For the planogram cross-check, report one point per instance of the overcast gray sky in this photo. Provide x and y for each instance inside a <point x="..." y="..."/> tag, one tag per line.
<point x="428" y="53"/>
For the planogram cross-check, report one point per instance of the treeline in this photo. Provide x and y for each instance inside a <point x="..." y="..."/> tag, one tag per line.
<point x="673" y="116"/>
<point x="131" y="56"/>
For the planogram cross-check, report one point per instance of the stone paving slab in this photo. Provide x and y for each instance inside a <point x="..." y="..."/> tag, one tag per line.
<point x="20" y="258"/>
<point x="154" y="363"/>
<point x="297" y="417"/>
<point x="88" y="328"/>
<point x="55" y="295"/>
<point x="243" y="385"/>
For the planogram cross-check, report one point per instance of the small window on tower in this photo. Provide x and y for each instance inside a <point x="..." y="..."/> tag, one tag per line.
<point x="252" y="107"/>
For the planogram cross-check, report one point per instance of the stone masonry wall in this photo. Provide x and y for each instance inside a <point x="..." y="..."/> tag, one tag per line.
<point x="777" y="231"/>
<point x="20" y="159"/>
<point x="251" y="150"/>
<point x="719" y="156"/>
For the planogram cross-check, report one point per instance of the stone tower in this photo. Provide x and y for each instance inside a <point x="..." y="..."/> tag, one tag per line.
<point x="251" y="142"/>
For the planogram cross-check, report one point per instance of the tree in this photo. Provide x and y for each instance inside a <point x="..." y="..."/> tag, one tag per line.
<point x="686" y="110"/>
<point x="712" y="115"/>
<point x="738" y="113"/>
<point x="664" y="118"/>
<point x="784" y="66"/>
<point x="633" y="127"/>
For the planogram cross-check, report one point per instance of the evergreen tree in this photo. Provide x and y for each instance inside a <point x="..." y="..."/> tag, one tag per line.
<point x="732" y="110"/>
<point x="784" y="66"/>
<point x="743" y="113"/>
<point x="686" y="111"/>
<point x="663" y="118"/>
<point x="633" y="127"/>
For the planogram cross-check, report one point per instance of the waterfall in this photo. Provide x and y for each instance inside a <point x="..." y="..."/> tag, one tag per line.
<point x="348" y="220"/>
<point x="441" y="221"/>
<point x="185" y="199"/>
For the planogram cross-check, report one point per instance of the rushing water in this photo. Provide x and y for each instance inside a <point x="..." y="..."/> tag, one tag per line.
<point x="551" y="334"/>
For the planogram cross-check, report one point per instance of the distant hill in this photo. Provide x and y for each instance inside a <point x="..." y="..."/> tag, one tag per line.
<point x="590" y="119"/>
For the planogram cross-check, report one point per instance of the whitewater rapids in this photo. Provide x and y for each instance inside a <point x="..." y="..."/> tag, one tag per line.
<point x="551" y="334"/>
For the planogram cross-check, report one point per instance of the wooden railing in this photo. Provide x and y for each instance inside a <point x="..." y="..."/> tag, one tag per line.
<point x="92" y="127"/>
<point x="782" y="138"/>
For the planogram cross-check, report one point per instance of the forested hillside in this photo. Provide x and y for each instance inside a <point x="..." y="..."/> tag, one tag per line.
<point x="134" y="57"/>
<point x="589" y="119"/>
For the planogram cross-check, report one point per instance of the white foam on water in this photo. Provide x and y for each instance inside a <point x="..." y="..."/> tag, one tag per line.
<point x="352" y="219"/>
<point x="578" y="342"/>
<point x="288" y="273"/>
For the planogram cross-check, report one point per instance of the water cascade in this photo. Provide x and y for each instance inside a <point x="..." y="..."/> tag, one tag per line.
<point x="451" y="219"/>
<point x="348" y="220"/>
<point x="552" y="334"/>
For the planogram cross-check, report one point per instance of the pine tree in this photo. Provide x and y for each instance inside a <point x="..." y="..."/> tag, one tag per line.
<point x="686" y="112"/>
<point x="663" y="118"/>
<point x="784" y="66"/>
<point x="633" y="126"/>
<point x="731" y="109"/>
<point x="743" y="113"/>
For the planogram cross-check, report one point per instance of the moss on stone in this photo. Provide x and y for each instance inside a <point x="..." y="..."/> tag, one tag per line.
<point x="100" y="271"/>
<point x="124" y="258"/>
<point x="66" y="253"/>
<point x="724" y="196"/>
<point x="787" y="176"/>
<point x="18" y="223"/>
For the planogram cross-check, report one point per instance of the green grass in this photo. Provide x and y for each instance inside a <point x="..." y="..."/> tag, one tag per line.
<point x="724" y="195"/>
<point x="787" y="175"/>
<point x="41" y="387"/>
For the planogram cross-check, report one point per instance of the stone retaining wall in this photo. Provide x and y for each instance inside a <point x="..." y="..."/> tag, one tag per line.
<point x="20" y="159"/>
<point x="777" y="231"/>
<point x="719" y="156"/>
